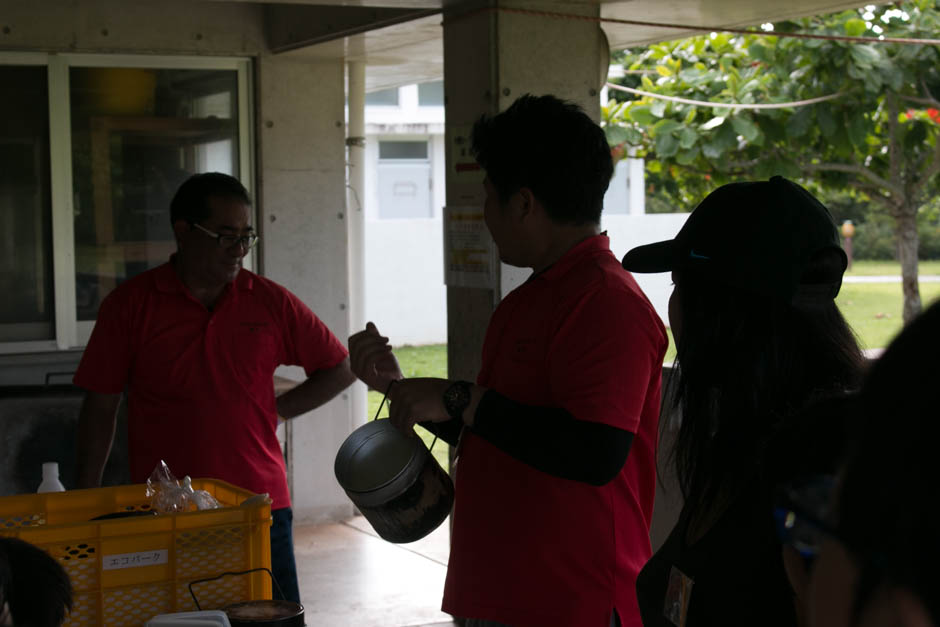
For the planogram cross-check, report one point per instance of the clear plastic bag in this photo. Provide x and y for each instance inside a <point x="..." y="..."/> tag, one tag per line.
<point x="167" y="495"/>
<point x="200" y="498"/>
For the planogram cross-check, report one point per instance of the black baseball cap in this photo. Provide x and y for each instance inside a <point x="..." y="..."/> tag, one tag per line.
<point x="756" y="235"/>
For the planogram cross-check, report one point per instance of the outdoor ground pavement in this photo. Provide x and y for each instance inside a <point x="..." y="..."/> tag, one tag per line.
<point x="351" y="577"/>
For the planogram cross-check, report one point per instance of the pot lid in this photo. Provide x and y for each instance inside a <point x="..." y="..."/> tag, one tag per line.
<point x="263" y="611"/>
<point x="374" y="455"/>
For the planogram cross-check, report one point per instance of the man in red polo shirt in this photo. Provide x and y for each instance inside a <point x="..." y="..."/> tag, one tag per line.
<point x="556" y="462"/>
<point x="195" y="343"/>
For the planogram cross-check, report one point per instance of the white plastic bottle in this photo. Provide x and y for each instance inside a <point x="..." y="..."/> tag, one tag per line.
<point x="50" y="478"/>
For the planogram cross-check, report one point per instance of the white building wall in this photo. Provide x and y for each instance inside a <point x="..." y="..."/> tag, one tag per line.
<point x="404" y="258"/>
<point x="405" y="292"/>
<point x="628" y="231"/>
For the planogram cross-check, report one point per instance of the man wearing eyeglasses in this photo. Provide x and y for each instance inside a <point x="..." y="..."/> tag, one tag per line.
<point x="195" y="343"/>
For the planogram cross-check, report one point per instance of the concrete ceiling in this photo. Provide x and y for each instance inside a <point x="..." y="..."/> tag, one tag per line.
<point x="401" y="41"/>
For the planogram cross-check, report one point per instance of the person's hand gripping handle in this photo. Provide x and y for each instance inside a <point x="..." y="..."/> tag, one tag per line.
<point x="372" y="360"/>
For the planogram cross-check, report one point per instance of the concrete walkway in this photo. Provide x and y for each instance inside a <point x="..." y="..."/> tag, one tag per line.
<point x="351" y="577"/>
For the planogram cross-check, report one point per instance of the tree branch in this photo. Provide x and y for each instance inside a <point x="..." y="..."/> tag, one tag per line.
<point x="852" y="168"/>
<point x="928" y="95"/>
<point x="923" y="101"/>
<point x="875" y="193"/>
<point x="741" y="165"/>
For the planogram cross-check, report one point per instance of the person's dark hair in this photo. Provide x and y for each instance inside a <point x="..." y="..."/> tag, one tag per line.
<point x="887" y="509"/>
<point x="191" y="201"/>
<point x="34" y="584"/>
<point x="551" y="147"/>
<point x="745" y="362"/>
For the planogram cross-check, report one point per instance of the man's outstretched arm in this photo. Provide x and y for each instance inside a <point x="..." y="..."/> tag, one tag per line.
<point x="97" y="422"/>
<point x="319" y="388"/>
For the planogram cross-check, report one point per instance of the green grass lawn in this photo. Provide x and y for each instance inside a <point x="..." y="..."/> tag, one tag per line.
<point x="419" y="361"/>
<point x="873" y="310"/>
<point x="882" y="268"/>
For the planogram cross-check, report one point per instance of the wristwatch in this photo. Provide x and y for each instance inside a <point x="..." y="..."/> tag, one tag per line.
<point x="456" y="398"/>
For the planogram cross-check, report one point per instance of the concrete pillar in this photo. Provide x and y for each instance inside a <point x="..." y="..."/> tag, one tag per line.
<point x="493" y="55"/>
<point x="302" y="215"/>
<point x="355" y="210"/>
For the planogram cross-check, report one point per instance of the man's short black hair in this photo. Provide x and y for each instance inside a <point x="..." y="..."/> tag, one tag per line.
<point x="551" y="147"/>
<point x="34" y="584"/>
<point x="191" y="201"/>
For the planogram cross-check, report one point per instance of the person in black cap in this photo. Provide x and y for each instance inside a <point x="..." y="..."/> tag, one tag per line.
<point x="756" y="268"/>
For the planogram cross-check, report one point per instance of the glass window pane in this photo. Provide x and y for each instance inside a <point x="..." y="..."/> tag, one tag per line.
<point x="387" y="97"/>
<point x="403" y="150"/>
<point x="431" y="94"/>
<point x="137" y="134"/>
<point x="27" y="311"/>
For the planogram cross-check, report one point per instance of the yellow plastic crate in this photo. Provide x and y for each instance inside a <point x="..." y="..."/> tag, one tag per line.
<point x="126" y="570"/>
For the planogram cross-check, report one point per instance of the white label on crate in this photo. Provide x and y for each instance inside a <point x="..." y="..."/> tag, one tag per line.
<point x="135" y="560"/>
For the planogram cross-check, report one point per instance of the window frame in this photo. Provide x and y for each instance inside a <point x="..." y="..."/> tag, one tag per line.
<point x="70" y="333"/>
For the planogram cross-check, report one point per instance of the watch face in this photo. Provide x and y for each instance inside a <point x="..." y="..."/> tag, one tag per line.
<point x="456" y="398"/>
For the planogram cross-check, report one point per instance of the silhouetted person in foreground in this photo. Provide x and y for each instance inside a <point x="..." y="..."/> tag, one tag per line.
<point x="35" y="590"/>
<point x="879" y="552"/>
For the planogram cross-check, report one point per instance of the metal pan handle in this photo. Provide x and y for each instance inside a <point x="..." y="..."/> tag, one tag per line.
<point x="240" y="572"/>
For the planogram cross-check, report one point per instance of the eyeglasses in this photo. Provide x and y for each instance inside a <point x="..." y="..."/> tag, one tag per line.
<point x="228" y="241"/>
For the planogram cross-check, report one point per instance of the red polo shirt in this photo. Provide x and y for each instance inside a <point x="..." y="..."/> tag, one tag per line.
<point x="200" y="383"/>
<point x="530" y="549"/>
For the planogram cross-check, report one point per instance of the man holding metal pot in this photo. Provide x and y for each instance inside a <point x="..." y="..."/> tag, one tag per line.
<point x="557" y="438"/>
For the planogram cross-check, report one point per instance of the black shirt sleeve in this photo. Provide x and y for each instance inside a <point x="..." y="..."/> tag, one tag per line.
<point x="448" y="431"/>
<point x="552" y="440"/>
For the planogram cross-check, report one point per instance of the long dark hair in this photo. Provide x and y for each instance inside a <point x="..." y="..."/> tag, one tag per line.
<point x="745" y="363"/>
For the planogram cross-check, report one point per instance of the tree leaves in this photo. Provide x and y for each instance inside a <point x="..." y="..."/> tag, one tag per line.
<point x="725" y="68"/>
<point x="687" y="137"/>
<point x="666" y="145"/>
<point x="616" y="135"/>
<point x="641" y="115"/>
<point x="825" y="120"/>
<point x="713" y="123"/>
<point x="865" y="56"/>
<point x="799" y="122"/>
<point x="855" y="27"/>
<point x="664" y="127"/>
<point x="744" y="127"/>
<point x="760" y="52"/>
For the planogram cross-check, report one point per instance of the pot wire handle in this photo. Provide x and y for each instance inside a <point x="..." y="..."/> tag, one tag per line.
<point x="226" y="574"/>
<point x="384" y="398"/>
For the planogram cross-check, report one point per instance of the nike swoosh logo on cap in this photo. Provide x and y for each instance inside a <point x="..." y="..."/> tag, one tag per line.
<point x="695" y="255"/>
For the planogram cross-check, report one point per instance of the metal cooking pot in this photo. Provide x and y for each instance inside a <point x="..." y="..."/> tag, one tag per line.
<point x="394" y="481"/>
<point x="265" y="613"/>
<point x="258" y="613"/>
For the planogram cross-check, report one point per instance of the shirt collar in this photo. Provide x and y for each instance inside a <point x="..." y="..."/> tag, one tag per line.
<point x="578" y="252"/>
<point x="167" y="280"/>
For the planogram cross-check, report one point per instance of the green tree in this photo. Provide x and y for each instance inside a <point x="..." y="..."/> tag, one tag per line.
<point x="870" y="127"/>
